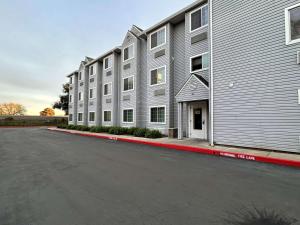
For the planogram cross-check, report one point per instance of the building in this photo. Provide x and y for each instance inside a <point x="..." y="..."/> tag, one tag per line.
<point x="227" y="72"/>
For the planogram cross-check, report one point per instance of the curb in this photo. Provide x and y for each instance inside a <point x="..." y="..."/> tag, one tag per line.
<point x="206" y="151"/>
<point x="23" y="126"/>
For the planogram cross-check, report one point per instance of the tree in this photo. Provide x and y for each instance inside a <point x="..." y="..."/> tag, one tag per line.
<point x="63" y="103"/>
<point x="12" y="109"/>
<point x="47" y="112"/>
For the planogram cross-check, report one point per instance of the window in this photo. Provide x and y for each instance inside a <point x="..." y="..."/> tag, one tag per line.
<point x="199" y="18"/>
<point x="91" y="70"/>
<point x="70" y="117"/>
<point x="92" y="80"/>
<point x="80" y="118"/>
<point x="107" y="116"/>
<point x="128" y="53"/>
<point x="80" y="76"/>
<point x="158" y="76"/>
<point x="158" y="38"/>
<point x="128" y="116"/>
<point x="92" y="116"/>
<point x="80" y="96"/>
<point x="107" y="63"/>
<point x="158" y="114"/>
<point x="292" y="15"/>
<point x="199" y="62"/>
<point x="128" y="83"/>
<point x="70" y="98"/>
<point x="91" y="94"/>
<point x="107" y="89"/>
<point x="71" y="80"/>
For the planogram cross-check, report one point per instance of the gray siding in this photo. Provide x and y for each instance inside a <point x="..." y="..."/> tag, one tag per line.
<point x="261" y="110"/>
<point x="74" y="92"/>
<point x="82" y="87"/>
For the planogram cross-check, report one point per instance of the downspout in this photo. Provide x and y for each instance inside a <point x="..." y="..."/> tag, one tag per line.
<point x="211" y="76"/>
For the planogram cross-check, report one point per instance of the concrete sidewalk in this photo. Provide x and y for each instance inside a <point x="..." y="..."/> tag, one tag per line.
<point x="194" y="145"/>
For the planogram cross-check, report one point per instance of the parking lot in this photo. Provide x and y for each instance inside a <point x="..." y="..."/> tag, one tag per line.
<point x="51" y="178"/>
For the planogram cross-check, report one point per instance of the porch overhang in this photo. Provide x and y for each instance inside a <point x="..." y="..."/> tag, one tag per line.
<point x="196" y="88"/>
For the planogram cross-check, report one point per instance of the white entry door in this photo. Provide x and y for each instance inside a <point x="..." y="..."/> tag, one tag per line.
<point x="198" y="120"/>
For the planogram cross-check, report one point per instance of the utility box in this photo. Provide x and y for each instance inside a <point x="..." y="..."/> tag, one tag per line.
<point x="173" y="133"/>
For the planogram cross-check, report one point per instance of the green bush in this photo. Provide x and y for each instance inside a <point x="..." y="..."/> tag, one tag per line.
<point x="62" y="126"/>
<point x="153" y="134"/>
<point x="131" y="130"/>
<point x="118" y="130"/>
<point x="84" y="128"/>
<point x="71" y="127"/>
<point x="140" y="132"/>
<point x="93" y="129"/>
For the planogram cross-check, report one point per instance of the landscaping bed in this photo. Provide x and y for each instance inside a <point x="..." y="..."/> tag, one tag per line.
<point x="134" y="131"/>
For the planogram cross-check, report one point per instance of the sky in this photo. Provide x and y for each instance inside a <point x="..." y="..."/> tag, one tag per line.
<point x="43" y="41"/>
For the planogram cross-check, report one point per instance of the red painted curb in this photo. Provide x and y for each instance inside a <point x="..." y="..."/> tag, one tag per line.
<point x="215" y="152"/>
<point x="23" y="126"/>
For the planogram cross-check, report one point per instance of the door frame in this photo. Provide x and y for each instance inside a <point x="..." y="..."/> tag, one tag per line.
<point x="191" y="106"/>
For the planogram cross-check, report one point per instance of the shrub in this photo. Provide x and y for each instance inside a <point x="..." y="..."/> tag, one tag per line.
<point x="140" y="132"/>
<point x="131" y="130"/>
<point x="71" y="127"/>
<point x="62" y="126"/>
<point x="93" y="129"/>
<point x="153" y="134"/>
<point x="84" y="128"/>
<point x="117" y="130"/>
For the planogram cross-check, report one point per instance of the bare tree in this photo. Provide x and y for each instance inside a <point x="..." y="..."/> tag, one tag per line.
<point x="12" y="109"/>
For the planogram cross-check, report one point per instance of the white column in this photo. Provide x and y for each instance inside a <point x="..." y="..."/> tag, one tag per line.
<point x="180" y="120"/>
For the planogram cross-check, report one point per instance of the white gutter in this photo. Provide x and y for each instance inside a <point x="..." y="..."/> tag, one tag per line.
<point x="211" y="76"/>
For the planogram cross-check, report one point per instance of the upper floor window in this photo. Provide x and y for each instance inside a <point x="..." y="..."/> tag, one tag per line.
<point x="107" y="89"/>
<point x="158" y="76"/>
<point x="107" y="63"/>
<point x="80" y="76"/>
<point x="128" y="53"/>
<point x="158" y="38"/>
<point x="128" y="83"/>
<point x="92" y="70"/>
<point x="199" y="18"/>
<point x="199" y="62"/>
<point x="70" y="98"/>
<point x="80" y="96"/>
<point x="292" y="16"/>
<point x="71" y="80"/>
<point x="91" y="94"/>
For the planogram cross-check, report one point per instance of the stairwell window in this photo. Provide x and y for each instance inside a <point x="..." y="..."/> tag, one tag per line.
<point x="70" y="98"/>
<point x="80" y="96"/>
<point x="128" y="83"/>
<point x="91" y="93"/>
<point x="199" y="63"/>
<point x="107" y="62"/>
<point x="71" y="80"/>
<point x="92" y="70"/>
<point x="158" y="114"/>
<point x="128" y="53"/>
<point x="107" y="89"/>
<point x="199" y="18"/>
<point x="158" y="76"/>
<point x="292" y="17"/>
<point x="128" y="116"/>
<point x="80" y="117"/>
<point x="158" y="38"/>
<point x="107" y="116"/>
<point x="91" y="116"/>
<point x="80" y="76"/>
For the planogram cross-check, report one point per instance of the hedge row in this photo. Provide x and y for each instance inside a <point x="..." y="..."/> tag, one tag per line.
<point x="137" y="132"/>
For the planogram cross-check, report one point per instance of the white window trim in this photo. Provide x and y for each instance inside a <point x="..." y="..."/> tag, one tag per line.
<point x="80" y="77"/>
<point x="92" y="75"/>
<point x="190" y="15"/>
<point x="133" y="116"/>
<point x="152" y="85"/>
<point x="133" y="84"/>
<point x="104" y="89"/>
<point x="108" y="57"/>
<point x="70" y="114"/>
<point x="111" y="116"/>
<point x="81" y="117"/>
<point x="158" y="106"/>
<point x="94" y="96"/>
<point x="81" y="96"/>
<point x="163" y="28"/>
<point x="191" y="63"/>
<point x="132" y="53"/>
<point x="288" y="26"/>
<point x="94" y="117"/>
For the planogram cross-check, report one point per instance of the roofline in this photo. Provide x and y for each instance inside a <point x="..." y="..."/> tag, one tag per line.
<point x="71" y="74"/>
<point x="178" y="13"/>
<point x="104" y="55"/>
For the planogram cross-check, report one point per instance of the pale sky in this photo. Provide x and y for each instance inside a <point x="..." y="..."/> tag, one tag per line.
<point x="41" y="41"/>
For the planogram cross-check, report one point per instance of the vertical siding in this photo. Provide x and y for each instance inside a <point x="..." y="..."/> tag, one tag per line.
<point x="261" y="110"/>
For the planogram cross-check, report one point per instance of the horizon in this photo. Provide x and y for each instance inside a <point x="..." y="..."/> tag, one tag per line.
<point x="43" y="43"/>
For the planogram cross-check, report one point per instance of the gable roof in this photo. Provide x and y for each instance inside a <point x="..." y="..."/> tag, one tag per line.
<point x="101" y="57"/>
<point x="71" y="74"/>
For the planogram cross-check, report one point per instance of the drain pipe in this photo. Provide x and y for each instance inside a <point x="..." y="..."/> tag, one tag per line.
<point x="211" y="76"/>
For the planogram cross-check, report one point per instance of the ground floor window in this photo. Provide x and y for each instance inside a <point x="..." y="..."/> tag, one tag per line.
<point x="92" y="116"/>
<point x="107" y="116"/>
<point x="80" y="117"/>
<point x="70" y="117"/>
<point x="158" y="114"/>
<point x="128" y="116"/>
